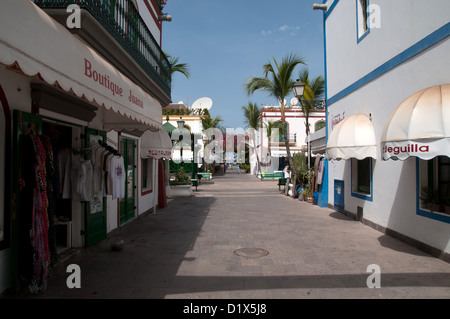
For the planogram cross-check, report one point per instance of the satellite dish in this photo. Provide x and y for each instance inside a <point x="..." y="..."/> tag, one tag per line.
<point x="202" y="103"/>
<point x="285" y="102"/>
<point x="294" y="101"/>
<point x="181" y="102"/>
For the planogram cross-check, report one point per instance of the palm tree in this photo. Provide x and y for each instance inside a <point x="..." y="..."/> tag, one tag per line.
<point x="175" y="66"/>
<point x="314" y="89"/>
<point x="278" y="85"/>
<point x="209" y="122"/>
<point x="252" y="116"/>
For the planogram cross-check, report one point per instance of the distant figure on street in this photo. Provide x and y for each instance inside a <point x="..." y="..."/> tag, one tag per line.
<point x="238" y="169"/>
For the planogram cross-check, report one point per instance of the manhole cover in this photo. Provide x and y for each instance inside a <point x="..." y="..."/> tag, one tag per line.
<point x="251" y="252"/>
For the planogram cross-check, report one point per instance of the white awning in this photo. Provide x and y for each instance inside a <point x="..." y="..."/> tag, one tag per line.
<point x="419" y="126"/>
<point x="318" y="141"/>
<point x="354" y="137"/>
<point x="281" y="152"/>
<point x="34" y="44"/>
<point x="156" y="144"/>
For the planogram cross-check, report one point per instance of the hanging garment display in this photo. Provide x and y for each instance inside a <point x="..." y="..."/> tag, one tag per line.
<point x="117" y="176"/>
<point x="34" y="256"/>
<point x="81" y="177"/>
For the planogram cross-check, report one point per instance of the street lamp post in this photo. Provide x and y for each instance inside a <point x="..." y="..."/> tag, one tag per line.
<point x="299" y="90"/>
<point x="180" y="124"/>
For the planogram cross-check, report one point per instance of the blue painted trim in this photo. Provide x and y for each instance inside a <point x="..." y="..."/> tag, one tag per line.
<point x="368" y="198"/>
<point x="424" y="44"/>
<point x="331" y="8"/>
<point x="422" y="212"/>
<point x="337" y="207"/>
<point x="323" y="196"/>
<point x="365" y="34"/>
<point x="326" y="74"/>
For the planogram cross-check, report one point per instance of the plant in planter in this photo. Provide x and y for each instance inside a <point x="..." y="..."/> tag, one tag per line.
<point x="181" y="186"/>
<point x="430" y="198"/>
<point x="300" y="168"/>
<point x="182" y="178"/>
<point x="309" y="185"/>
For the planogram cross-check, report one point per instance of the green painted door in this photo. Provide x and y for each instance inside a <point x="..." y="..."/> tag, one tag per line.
<point x="95" y="217"/>
<point x="127" y="209"/>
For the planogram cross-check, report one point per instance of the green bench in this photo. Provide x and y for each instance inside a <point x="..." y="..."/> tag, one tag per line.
<point x="204" y="175"/>
<point x="271" y="175"/>
<point x="282" y="182"/>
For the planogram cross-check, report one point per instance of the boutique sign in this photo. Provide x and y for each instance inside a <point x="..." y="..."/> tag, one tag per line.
<point x="104" y="80"/>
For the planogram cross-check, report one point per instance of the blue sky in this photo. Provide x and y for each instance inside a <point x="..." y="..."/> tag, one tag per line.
<point x="227" y="41"/>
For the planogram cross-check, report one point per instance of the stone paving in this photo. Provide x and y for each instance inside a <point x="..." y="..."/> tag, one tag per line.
<point x="189" y="251"/>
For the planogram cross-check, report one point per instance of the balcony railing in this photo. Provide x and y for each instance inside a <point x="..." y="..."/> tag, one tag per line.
<point x="123" y="22"/>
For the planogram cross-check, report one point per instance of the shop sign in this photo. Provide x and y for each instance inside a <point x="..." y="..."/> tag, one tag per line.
<point x="105" y="81"/>
<point x="159" y="153"/>
<point x="403" y="150"/>
<point x="410" y="148"/>
<point x="337" y="119"/>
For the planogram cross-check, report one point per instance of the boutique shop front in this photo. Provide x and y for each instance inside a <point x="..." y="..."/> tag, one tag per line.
<point x="70" y="124"/>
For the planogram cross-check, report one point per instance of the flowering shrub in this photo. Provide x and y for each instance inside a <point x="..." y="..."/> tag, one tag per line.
<point x="161" y="4"/>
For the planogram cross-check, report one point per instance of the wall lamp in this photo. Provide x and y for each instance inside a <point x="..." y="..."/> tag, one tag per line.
<point x="322" y="7"/>
<point x="165" y="17"/>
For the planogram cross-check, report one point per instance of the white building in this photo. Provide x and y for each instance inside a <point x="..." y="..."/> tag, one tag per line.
<point x="80" y="91"/>
<point x="296" y="130"/>
<point x="377" y="66"/>
<point x="193" y="123"/>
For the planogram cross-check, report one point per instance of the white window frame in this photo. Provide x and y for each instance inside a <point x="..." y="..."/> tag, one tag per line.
<point x="147" y="169"/>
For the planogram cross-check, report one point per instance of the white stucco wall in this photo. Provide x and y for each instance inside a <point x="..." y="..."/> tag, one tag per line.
<point x="148" y="18"/>
<point x="297" y="124"/>
<point x="147" y="201"/>
<point x="404" y="23"/>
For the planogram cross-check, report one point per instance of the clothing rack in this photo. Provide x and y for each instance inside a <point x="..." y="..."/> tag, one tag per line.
<point x="109" y="147"/>
<point x="111" y="141"/>
<point x="82" y="151"/>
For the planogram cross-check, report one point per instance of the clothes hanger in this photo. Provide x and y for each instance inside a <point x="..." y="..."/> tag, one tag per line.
<point x="31" y="129"/>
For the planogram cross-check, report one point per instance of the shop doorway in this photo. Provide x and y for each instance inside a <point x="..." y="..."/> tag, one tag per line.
<point x="59" y="208"/>
<point x="127" y="206"/>
<point x="42" y="213"/>
<point x="95" y="217"/>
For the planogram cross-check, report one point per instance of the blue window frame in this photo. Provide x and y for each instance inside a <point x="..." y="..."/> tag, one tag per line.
<point x="362" y="178"/>
<point x="362" y="17"/>
<point x="433" y="177"/>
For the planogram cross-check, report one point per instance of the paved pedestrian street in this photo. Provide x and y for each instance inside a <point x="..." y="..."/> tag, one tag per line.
<point x="240" y="238"/>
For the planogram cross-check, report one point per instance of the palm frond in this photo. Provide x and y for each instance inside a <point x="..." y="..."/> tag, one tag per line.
<point x="252" y="115"/>
<point x="175" y="66"/>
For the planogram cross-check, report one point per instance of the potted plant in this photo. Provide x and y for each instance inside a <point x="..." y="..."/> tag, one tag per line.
<point x="430" y="199"/>
<point x="181" y="186"/>
<point x="308" y="192"/>
<point x="300" y="168"/>
<point x="308" y="196"/>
